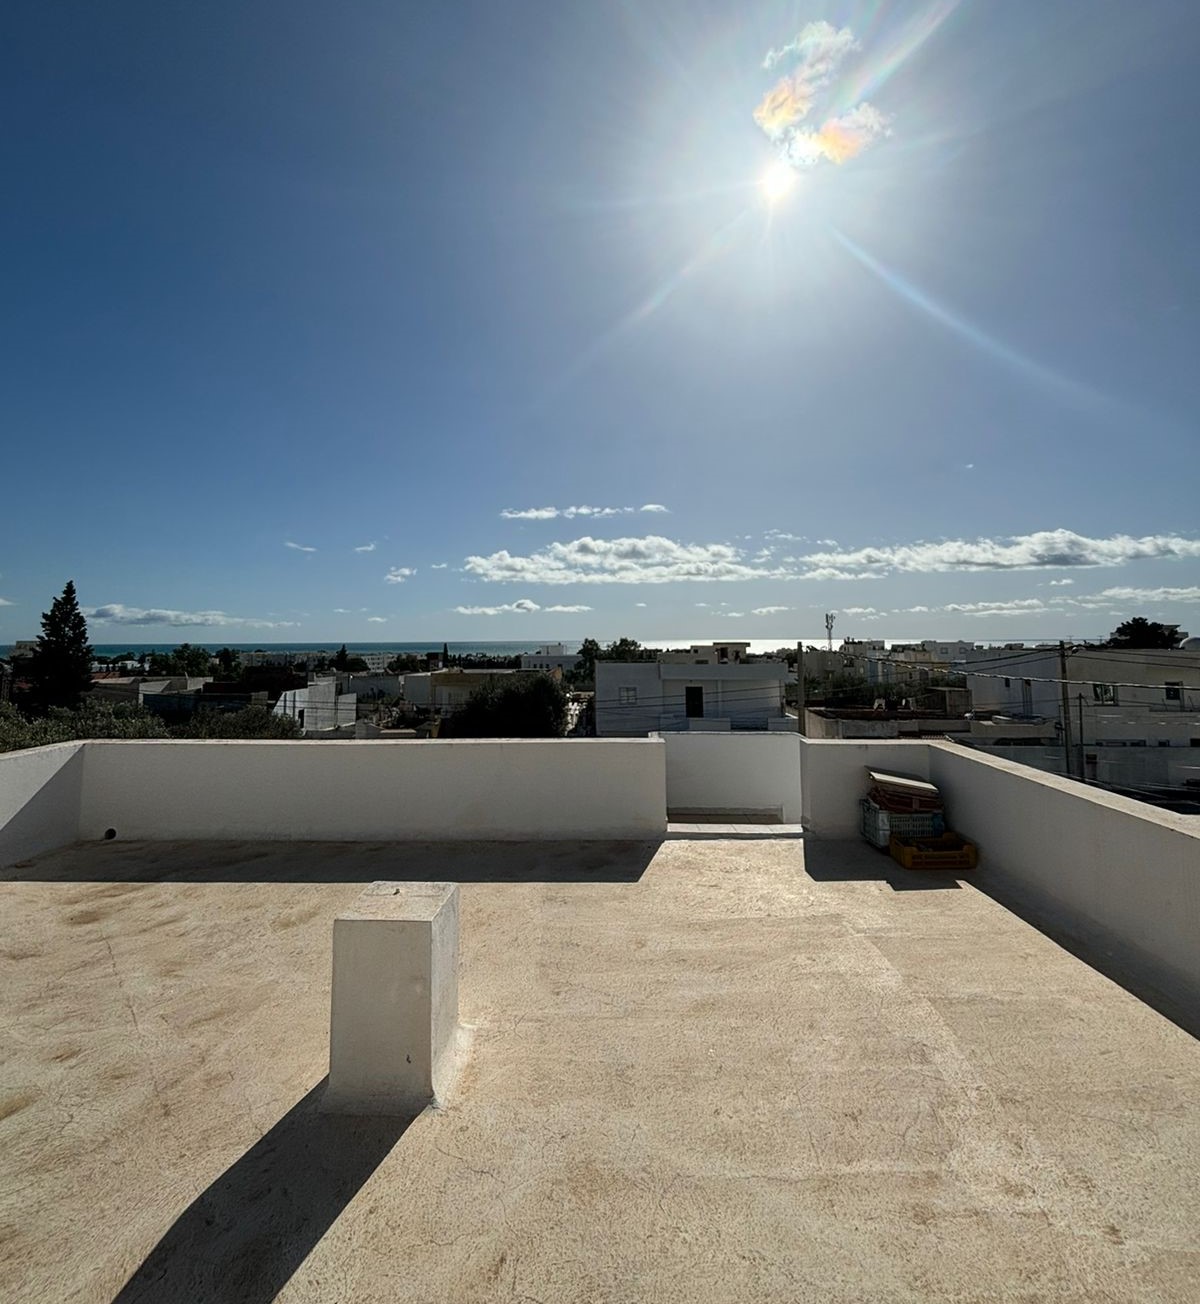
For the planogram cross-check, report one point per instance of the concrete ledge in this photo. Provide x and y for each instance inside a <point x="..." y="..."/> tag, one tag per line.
<point x="394" y="1007"/>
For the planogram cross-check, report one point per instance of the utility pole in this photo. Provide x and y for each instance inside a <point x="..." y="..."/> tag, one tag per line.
<point x="800" y="687"/>
<point x="1082" y="762"/>
<point x="1068" y="760"/>
<point x="829" y="619"/>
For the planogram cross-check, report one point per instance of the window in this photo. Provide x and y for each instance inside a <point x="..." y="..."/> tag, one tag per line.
<point x="1106" y="694"/>
<point x="627" y="696"/>
<point x="1173" y="691"/>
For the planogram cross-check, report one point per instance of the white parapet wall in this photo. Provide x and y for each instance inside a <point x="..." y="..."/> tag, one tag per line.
<point x="507" y="789"/>
<point x="734" y="772"/>
<point x="833" y="779"/>
<point x="40" y="793"/>
<point x="1106" y="869"/>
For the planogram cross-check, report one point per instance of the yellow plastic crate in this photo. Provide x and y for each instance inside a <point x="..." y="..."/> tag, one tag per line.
<point x="948" y="851"/>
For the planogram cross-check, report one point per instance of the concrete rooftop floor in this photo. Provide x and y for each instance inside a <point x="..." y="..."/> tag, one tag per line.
<point x="711" y="1069"/>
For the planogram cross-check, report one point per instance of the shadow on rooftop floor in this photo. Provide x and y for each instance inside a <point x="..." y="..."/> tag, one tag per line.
<point x="856" y="862"/>
<point x="338" y="862"/>
<point x="243" y="1238"/>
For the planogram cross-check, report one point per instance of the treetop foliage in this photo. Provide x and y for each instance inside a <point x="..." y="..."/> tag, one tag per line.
<point x="518" y="707"/>
<point x="1139" y="632"/>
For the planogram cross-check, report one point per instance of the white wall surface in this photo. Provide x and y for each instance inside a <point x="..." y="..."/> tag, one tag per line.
<point x="444" y="790"/>
<point x="1107" y="868"/>
<point x="734" y="771"/>
<point x="39" y="799"/>
<point x="833" y="779"/>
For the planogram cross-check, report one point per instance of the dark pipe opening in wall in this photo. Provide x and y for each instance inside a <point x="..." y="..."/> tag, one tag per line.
<point x="109" y="834"/>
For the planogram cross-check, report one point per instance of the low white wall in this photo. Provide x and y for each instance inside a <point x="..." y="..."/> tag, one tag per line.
<point x="468" y="789"/>
<point x="1108" y="869"/>
<point x="734" y="771"/>
<point x="833" y="779"/>
<point x="39" y="799"/>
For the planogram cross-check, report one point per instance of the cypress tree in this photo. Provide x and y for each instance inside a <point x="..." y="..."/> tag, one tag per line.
<point x="61" y="668"/>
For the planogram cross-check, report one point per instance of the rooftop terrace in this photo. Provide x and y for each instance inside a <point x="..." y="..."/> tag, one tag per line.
<point x="717" y="1067"/>
<point x="705" y="1061"/>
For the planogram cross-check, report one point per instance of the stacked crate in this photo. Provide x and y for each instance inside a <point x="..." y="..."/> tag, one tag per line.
<point x="906" y="817"/>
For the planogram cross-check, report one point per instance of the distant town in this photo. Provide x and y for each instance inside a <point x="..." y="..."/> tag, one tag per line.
<point x="1122" y="713"/>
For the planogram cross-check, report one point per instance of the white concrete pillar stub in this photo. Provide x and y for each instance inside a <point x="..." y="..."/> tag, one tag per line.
<point x="394" y="1007"/>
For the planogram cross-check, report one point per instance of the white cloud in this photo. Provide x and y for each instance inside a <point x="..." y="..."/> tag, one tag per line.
<point x="636" y="604"/>
<point x="1191" y="594"/>
<point x="1042" y="549"/>
<point x="398" y="574"/>
<point x="768" y="611"/>
<point x="341" y="611"/>
<point x="573" y="609"/>
<point x="522" y="607"/>
<point x="1059" y="584"/>
<point x="530" y="513"/>
<point x="570" y="513"/>
<point x="117" y="613"/>
<point x="859" y="611"/>
<point x="815" y="54"/>
<point x="4" y="602"/>
<point x="651" y="559"/>
<point x="366" y="547"/>
<point x="819" y="47"/>
<point x="376" y="620"/>
<point x="1012" y="607"/>
<point x="439" y="565"/>
<point x="654" y="559"/>
<point x="298" y="547"/>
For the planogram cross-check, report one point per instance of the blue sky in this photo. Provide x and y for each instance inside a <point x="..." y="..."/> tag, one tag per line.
<point x="334" y="321"/>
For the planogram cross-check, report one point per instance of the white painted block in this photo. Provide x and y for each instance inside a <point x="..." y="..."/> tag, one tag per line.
<point x="394" y="1009"/>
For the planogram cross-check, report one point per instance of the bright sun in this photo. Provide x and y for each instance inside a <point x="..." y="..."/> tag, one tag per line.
<point x="777" y="181"/>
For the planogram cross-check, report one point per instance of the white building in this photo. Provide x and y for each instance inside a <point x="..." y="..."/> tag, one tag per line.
<point x="693" y="693"/>
<point x="1131" y="718"/>
<point x="445" y="691"/>
<point x="1026" y="681"/>
<point x="554" y="656"/>
<point x="319" y="707"/>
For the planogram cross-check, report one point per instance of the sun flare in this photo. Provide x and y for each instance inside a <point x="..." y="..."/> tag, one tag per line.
<point x="777" y="182"/>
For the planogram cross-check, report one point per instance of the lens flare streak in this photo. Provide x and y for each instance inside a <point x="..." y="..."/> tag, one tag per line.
<point x="917" y="298"/>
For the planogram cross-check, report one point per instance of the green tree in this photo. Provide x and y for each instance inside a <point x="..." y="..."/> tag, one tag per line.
<point x="1142" y="633"/>
<point x="518" y="707"/>
<point x="60" y="669"/>
<point x="626" y="649"/>
<point x="186" y="661"/>
<point x="252" y="722"/>
<point x="230" y="662"/>
<point x="341" y="658"/>
<point x="589" y="654"/>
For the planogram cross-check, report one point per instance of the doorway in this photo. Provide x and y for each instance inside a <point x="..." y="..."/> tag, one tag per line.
<point x="693" y="703"/>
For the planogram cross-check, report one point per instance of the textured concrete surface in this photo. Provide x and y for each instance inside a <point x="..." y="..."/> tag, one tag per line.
<point x="714" y="1069"/>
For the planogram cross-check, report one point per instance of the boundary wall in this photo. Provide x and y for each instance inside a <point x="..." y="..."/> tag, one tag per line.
<point x="731" y="772"/>
<point x="1111" y="871"/>
<point x="40" y="797"/>
<point x="476" y="789"/>
<point x="833" y="779"/>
